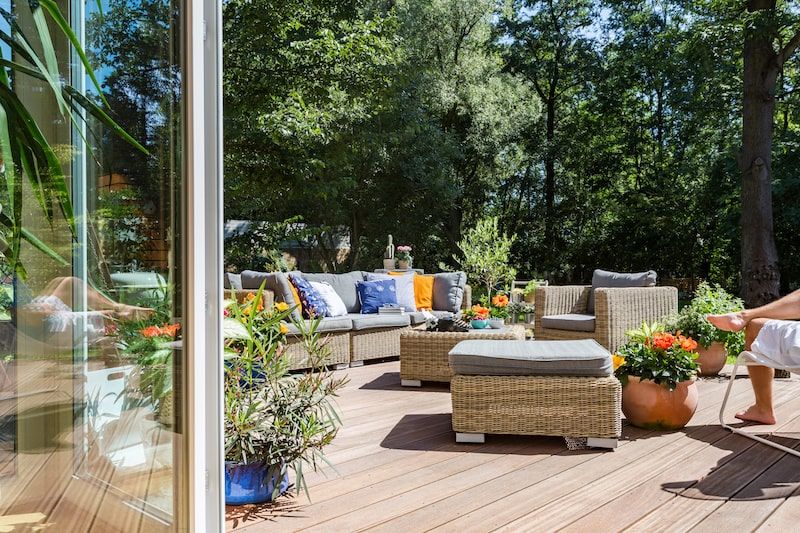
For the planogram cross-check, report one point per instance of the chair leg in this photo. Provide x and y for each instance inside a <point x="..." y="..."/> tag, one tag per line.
<point x="727" y="394"/>
<point x="471" y="438"/>
<point x="738" y="431"/>
<point x="596" y="442"/>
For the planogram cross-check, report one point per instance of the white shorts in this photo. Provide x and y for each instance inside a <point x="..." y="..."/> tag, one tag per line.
<point x="779" y="340"/>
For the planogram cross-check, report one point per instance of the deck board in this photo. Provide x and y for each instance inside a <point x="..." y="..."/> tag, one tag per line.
<point x="399" y="469"/>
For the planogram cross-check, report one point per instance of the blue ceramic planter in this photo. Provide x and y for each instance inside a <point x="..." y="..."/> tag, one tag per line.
<point x="251" y="483"/>
<point x="479" y="324"/>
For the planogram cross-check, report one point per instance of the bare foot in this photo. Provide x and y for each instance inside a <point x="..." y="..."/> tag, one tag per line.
<point x="728" y="321"/>
<point x="758" y="415"/>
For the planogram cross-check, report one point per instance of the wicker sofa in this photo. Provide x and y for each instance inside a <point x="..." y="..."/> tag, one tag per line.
<point x="353" y="338"/>
<point x="617" y="310"/>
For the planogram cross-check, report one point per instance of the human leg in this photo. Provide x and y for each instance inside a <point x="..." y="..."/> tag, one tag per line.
<point x="761" y="380"/>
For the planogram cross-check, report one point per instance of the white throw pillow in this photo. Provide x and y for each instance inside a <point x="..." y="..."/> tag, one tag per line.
<point x="332" y="300"/>
<point x="405" y="289"/>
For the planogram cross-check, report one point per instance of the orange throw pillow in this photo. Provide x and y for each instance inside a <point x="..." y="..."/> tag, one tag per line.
<point x="296" y="296"/>
<point x="423" y="291"/>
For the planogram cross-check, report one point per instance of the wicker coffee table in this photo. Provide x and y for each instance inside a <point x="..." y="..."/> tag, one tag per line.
<point x="424" y="354"/>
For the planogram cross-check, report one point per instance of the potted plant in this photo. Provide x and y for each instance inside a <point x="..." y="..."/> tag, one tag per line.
<point x="478" y="316"/>
<point x="274" y="421"/>
<point x="657" y="370"/>
<point x="498" y="311"/>
<point x="485" y="253"/>
<point x="529" y="291"/>
<point x="403" y="256"/>
<point x="713" y="344"/>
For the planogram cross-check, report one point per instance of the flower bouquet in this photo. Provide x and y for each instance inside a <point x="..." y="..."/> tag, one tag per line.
<point x="403" y="256"/>
<point x="478" y="316"/>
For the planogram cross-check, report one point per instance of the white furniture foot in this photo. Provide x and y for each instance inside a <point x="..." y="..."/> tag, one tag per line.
<point x="596" y="442"/>
<point x="354" y="364"/>
<point x="410" y="383"/>
<point x="341" y="366"/>
<point x="471" y="438"/>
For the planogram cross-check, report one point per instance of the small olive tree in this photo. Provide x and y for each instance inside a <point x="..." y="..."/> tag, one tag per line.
<point x="485" y="254"/>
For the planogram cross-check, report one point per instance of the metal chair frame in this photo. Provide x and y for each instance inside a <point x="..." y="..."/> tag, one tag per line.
<point x="748" y="358"/>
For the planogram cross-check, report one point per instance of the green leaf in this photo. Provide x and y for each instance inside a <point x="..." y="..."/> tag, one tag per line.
<point x="53" y="10"/>
<point x="233" y="329"/>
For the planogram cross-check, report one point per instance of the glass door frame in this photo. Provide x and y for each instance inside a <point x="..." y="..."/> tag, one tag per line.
<point x="203" y="263"/>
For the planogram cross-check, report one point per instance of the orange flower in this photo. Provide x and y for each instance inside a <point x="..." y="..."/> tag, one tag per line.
<point x="250" y="296"/>
<point x="687" y="343"/>
<point x="480" y="311"/>
<point x="151" y="331"/>
<point x="617" y="361"/>
<point x="501" y="300"/>
<point x="284" y="328"/>
<point x="167" y="330"/>
<point x="663" y="341"/>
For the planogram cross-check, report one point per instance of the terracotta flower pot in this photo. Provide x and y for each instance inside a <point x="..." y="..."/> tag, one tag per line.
<point x="711" y="359"/>
<point x="530" y="298"/>
<point x="651" y="406"/>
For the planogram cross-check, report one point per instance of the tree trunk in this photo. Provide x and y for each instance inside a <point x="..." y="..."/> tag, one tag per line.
<point x="760" y="274"/>
<point x="550" y="176"/>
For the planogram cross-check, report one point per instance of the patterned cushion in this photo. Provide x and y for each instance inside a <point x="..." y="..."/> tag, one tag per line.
<point x="312" y="301"/>
<point x="375" y="294"/>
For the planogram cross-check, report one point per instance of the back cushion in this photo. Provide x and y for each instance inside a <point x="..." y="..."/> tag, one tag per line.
<point x="448" y="291"/>
<point x="312" y="301"/>
<point x="423" y="291"/>
<point x="343" y="284"/>
<point x="606" y="279"/>
<point x="277" y="282"/>
<point x="405" y="288"/>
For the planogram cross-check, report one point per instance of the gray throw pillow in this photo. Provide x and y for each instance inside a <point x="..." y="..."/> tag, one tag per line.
<point x="344" y="285"/>
<point x="277" y="282"/>
<point x="448" y="291"/>
<point x="606" y="279"/>
<point x="233" y="281"/>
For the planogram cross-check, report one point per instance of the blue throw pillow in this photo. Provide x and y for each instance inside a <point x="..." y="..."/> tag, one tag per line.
<point x="375" y="294"/>
<point x="311" y="300"/>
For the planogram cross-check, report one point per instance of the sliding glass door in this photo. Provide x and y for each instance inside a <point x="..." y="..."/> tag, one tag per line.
<point x="97" y="390"/>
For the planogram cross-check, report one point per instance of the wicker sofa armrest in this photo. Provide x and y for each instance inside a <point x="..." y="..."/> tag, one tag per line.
<point x="619" y="310"/>
<point x="267" y="296"/>
<point x="466" y="302"/>
<point x="559" y="300"/>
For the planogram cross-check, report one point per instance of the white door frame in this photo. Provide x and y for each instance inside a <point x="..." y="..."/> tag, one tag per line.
<point x="203" y="264"/>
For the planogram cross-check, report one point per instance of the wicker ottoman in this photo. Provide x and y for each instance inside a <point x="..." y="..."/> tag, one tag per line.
<point x="561" y="388"/>
<point x="424" y="354"/>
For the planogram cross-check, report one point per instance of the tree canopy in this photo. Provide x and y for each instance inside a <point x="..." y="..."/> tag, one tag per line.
<point x="604" y="134"/>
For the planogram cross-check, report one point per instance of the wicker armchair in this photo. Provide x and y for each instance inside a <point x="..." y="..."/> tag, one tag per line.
<point x="617" y="310"/>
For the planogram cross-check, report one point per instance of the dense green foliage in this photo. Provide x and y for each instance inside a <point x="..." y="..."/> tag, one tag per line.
<point x="691" y="320"/>
<point x="602" y="134"/>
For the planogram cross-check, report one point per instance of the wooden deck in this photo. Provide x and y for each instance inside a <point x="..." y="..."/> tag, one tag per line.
<point x="400" y="470"/>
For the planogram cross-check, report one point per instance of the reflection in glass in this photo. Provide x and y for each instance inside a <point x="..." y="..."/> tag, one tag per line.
<point x="90" y="322"/>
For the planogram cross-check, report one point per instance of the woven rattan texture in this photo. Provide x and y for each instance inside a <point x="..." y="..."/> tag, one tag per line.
<point x="537" y="405"/>
<point x="616" y="311"/>
<point x="375" y="343"/>
<point x="337" y="343"/>
<point x="424" y="354"/>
